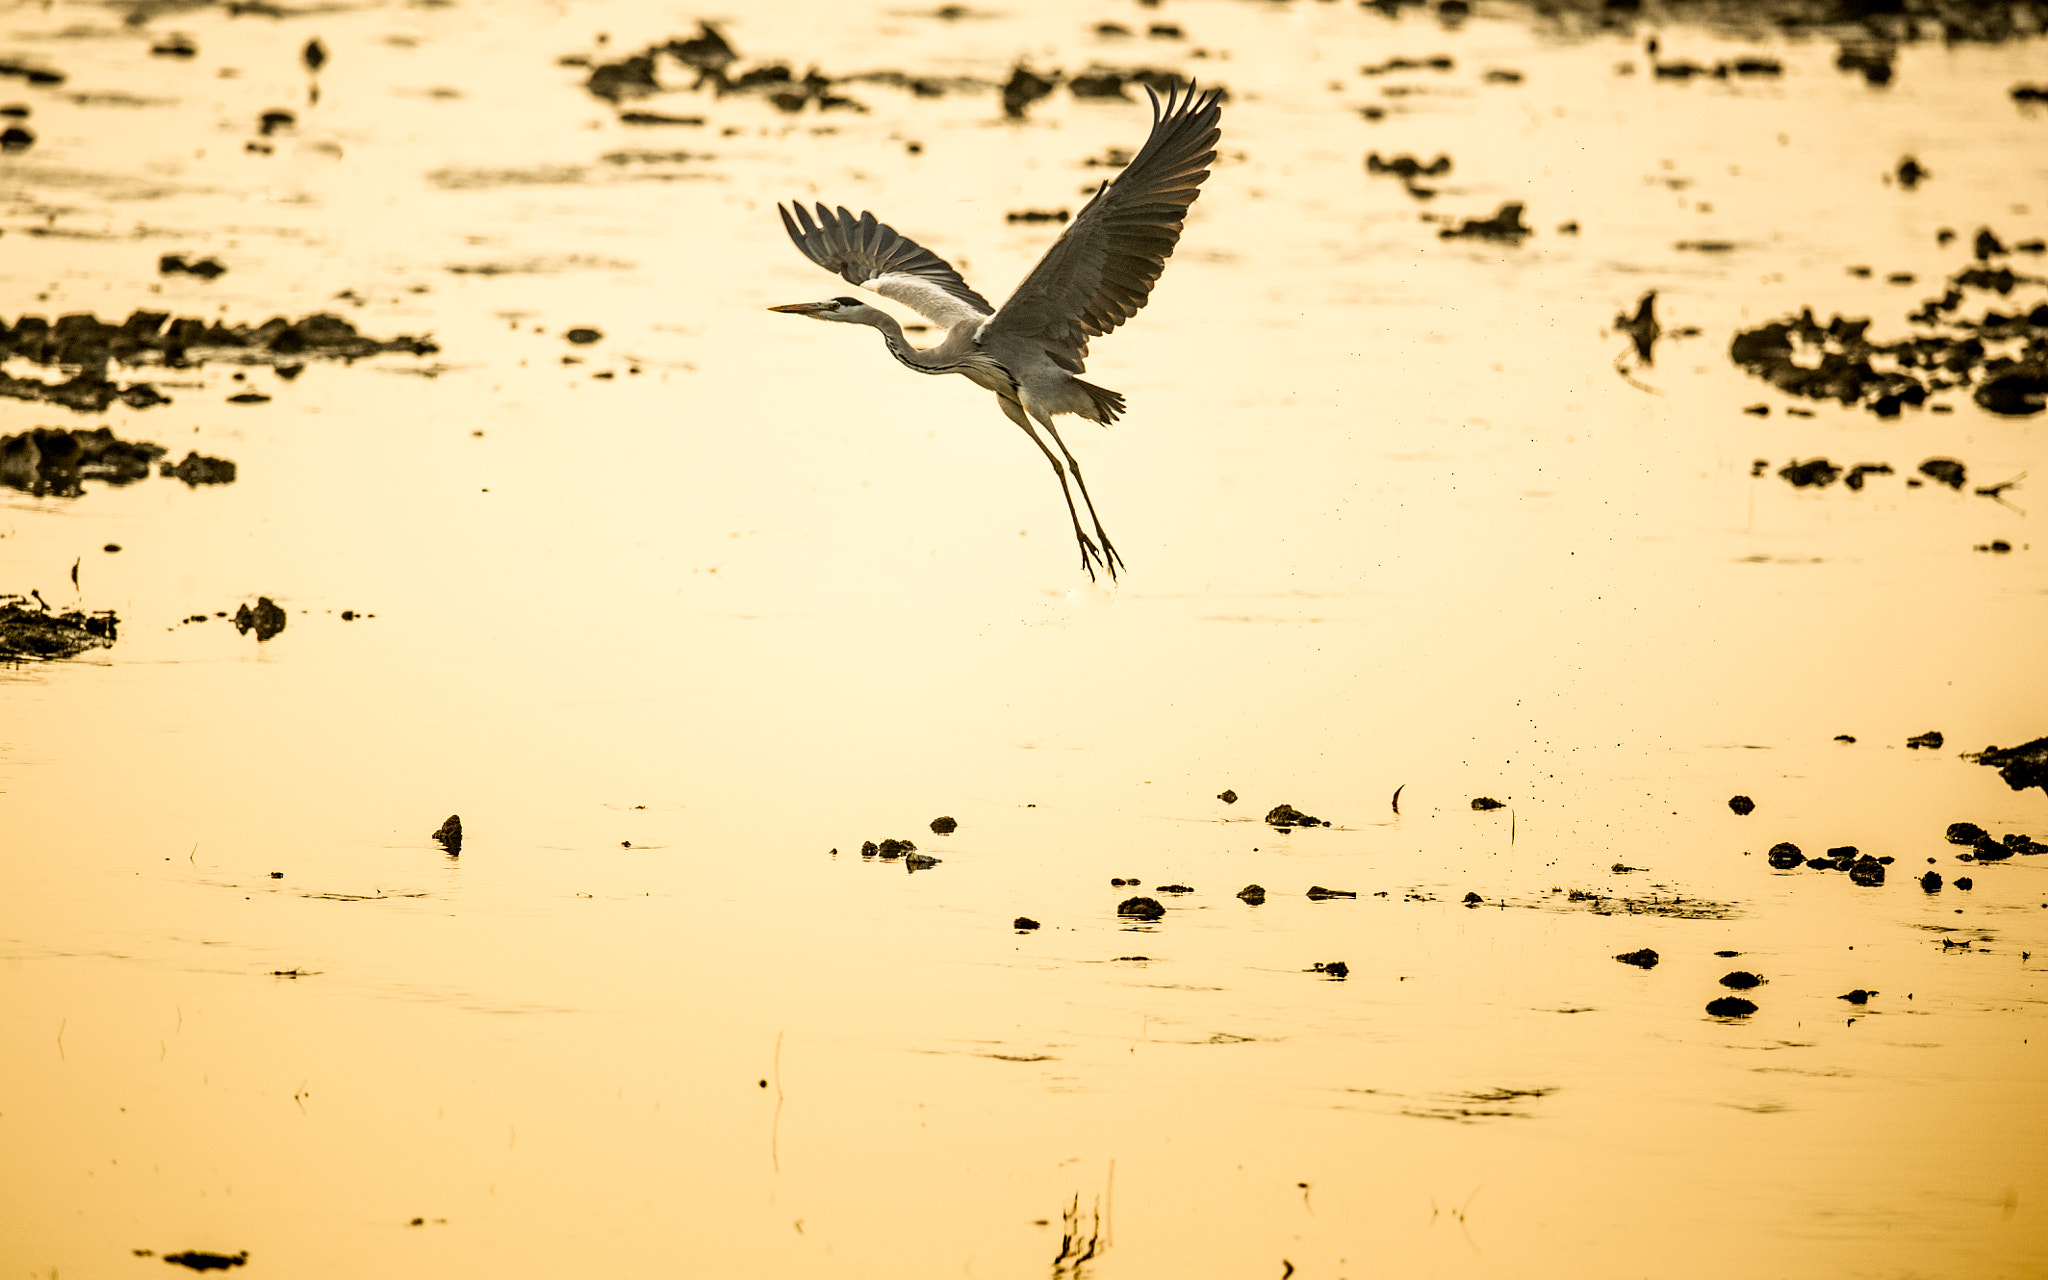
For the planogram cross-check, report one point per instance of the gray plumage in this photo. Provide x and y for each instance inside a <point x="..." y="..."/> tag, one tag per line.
<point x="1094" y="278"/>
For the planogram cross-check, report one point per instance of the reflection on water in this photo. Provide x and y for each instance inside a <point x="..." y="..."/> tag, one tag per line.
<point x="677" y="607"/>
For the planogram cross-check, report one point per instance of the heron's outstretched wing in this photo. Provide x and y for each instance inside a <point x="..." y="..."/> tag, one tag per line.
<point x="1102" y="268"/>
<point x="872" y="255"/>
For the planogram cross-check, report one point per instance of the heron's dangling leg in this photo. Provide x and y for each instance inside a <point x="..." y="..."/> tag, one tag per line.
<point x="1089" y="552"/>
<point x="1110" y="559"/>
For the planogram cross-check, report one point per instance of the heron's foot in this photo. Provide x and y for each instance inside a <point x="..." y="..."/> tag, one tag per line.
<point x="1110" y="559"/>
<point x="1104" y="555"/>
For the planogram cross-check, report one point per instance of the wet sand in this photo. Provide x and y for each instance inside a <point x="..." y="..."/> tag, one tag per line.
<point x="678" y="604"/>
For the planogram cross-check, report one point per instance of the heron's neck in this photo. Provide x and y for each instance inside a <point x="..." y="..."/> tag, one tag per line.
<point x="899" y="346"/>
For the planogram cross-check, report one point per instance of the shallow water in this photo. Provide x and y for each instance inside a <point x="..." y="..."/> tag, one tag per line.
<point x="1405" y="526"/>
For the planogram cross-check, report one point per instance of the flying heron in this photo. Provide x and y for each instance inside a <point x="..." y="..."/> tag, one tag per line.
<point x="1095" y="277"/>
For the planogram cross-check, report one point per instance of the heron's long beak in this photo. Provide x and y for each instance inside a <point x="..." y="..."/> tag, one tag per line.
<point x="801" y="308"/>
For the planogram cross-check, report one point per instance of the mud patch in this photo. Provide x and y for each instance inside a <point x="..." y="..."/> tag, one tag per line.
<point x="200" y="1260"/>
<point x="2023" y="766"/>
<point x="265" y="618"/>
<point x="50" y="461"/>
<point x="1504" y="227"/>
<point x="1284" y="816"/>
<point x="1483" y="1104"/>
<point x="34" y="630"/>
<point x="84" y="342"/>
<point x="2000" y="356"/>
<point x="1676" y="906"/>
<point x="708" y="63"/>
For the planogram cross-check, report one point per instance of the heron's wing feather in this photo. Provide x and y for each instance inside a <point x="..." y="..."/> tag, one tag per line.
<point x="872" y="255"/>
<point x="1103" y="266"/>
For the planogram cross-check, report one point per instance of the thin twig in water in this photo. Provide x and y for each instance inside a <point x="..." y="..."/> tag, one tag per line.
<point x="1109" y="1214"/>
<point x="1996" y="492"/>
<point x="1623" y="371"/>
<point x="1397" y="796"/>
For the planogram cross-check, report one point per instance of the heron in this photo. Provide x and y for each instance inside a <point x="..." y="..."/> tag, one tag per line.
<point x="1030" y="350"/>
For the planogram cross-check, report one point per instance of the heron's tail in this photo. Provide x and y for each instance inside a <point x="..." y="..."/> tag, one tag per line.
<point x="1108" y="404"/>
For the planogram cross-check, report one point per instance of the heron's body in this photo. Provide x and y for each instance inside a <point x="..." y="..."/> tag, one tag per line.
<point x="1030" y="351"/>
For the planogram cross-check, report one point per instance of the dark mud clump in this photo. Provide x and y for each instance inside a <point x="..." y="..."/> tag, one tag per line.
<point x="1253" y="895"/>
<point x="1227" y="797"/>
<point x="1435" y="62"/>
<point x="2023" y="766"/>
<point x="84" y="342"/>
<point x="1284" y="816"/>
<point x="1642" y="327"/>
<point x="1099" y="81"/>
<point x="1333" y="969"/>
<point x="198" y="469"/>
<point x="1818" y="473"/>
<point x="1644" y="959"/>
<point x="37" y="631"/>
<point x="1785" y="856"/>
<point x="1741" y="980"/>
<point x="449" y="835"/>
<point x="1316" y="893"/>
<point x="709" y="58"/>
<point x="27" y="71"/>
<point x="1863" y="868"/>
<point x="1486" y="802"/>
<point x="199" y="1260"/>
<point x="2001" y="356"/>
<point x="265" y="619"/>
<point x="1964" y="833"/>
<point x="56" y="462"/>
<point x="1023" y="88"/>
<point x="1730" y="1007"/>
<point x="1985" y="849"/>
<point x="1140" y="909"/>
<point x="1929" y="741"/>
<point x="944" y="826"/>
<point x="584" y="336"/>
<point x="1944" y="471"/>
<point x="1024" y="924"/>
<point x="1504" y="227"/>
<point x="176" y="264"/>
<point x="1409" y="169"/>
<point x="1858" y="996"/>
<point x="1931" y="882"/>
<point x="1172" y="888"/>
<point x="919" y="862"/>
<point x="1742" y="805"/>
<point x="657" y="118"/>
<point x="887" y="849"/>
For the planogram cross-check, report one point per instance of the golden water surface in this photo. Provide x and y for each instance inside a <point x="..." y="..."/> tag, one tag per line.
<point x="677" y="620"/>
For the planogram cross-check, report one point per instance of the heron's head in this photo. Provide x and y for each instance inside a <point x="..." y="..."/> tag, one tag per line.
<point x="841" y="309"/>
